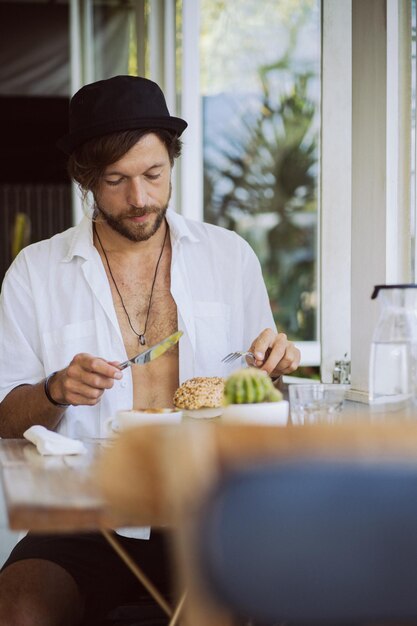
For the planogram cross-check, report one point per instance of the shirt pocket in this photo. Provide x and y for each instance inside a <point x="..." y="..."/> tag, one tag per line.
<point x="62" y="344"/>
<point x="212" y="326"/>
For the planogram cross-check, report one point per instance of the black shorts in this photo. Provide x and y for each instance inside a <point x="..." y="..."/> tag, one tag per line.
<point x="103" y="579"/>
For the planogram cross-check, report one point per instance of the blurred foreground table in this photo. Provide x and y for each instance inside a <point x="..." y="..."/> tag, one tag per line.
<point x="162" y="474"/>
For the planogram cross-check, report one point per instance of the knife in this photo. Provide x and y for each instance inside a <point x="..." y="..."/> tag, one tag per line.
<point x="154" y="352"/>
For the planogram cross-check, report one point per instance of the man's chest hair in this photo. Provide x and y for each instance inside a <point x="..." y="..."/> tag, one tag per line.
<point x="162" y="319"/>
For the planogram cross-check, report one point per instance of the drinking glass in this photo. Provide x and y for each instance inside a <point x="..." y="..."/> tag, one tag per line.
<point x="311" y="403"/>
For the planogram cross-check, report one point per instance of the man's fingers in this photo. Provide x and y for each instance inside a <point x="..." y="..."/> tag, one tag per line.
<point x="274" y="353"/>
<point x="89" y="379"/>
<point x="290" y="361"/>
<point x="98" y="366"/>
<point x="85" y="379"/>
<point x="269" y="348"/>
<point x="261" y="345"/>
<point x="87" y="398"/>
<point x="277" y="354"/>
<point x="115" y="363"/>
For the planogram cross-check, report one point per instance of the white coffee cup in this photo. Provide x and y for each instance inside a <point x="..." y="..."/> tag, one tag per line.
<point x="131" y="418"/>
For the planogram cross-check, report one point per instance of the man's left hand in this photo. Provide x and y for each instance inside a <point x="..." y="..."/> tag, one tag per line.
<point x="274" y="353"/>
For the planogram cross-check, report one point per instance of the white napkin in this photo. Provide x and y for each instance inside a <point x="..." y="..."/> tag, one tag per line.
<point x="49" y="442"/>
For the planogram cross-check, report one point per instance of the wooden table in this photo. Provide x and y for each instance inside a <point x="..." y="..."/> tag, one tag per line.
<point x="53" y="493"/>
<point x="61" y="493"/>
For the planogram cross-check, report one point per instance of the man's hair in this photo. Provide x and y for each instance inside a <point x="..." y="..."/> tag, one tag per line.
<point x="87" y="163"/>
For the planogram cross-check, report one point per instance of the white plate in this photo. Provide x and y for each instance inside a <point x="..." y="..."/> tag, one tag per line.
<point x="205" y="413"/>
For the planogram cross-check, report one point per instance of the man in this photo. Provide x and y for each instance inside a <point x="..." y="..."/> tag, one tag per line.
<point x="76" y="305"/>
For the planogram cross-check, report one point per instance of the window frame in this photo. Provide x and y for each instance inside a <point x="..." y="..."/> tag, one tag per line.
<point x="335" y="187"/>
<point x="376" y="39"/>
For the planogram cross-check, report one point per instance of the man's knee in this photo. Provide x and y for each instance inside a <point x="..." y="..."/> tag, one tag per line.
<point x="38" y="593"/>
<point x="22" y="613"/>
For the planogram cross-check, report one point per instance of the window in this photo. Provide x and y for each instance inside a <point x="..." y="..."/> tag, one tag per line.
<point x="260" y="89"/>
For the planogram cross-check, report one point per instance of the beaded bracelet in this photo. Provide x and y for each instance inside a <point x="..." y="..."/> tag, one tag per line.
<point x="48" y="394"/>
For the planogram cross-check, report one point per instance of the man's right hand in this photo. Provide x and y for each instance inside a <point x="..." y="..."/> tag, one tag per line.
<point x="84" y="381"/>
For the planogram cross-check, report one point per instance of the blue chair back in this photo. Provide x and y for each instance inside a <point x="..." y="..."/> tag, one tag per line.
<point x="313" y="542"/>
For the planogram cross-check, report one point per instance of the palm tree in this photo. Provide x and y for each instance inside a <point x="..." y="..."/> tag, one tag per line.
<point x="270" y="169"/>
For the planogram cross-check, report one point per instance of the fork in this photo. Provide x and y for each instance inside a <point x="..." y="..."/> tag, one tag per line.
<point x="229" y="358"/>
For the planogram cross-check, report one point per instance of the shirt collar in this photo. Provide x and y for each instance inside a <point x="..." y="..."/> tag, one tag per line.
<point x="81" y="242"/>
<point x="179" y="227"/>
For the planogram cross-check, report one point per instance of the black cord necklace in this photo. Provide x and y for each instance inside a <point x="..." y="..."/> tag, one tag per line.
<point x="141" y="336"/>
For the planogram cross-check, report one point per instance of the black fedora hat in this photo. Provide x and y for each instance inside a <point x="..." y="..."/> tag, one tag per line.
<point x="117" y="104"/>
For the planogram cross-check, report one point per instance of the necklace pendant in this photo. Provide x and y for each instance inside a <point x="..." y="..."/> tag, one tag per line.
<point x="142" y="340"/>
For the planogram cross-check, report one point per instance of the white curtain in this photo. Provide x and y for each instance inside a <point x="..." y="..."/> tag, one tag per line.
<point x="34" y="50"/>
<point x="34" y="47"/>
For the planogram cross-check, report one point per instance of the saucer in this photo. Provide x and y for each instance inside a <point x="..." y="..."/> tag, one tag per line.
<point x="127" y="419"/>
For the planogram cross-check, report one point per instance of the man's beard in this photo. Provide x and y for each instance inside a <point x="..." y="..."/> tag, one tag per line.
<point x="130" y="230"/>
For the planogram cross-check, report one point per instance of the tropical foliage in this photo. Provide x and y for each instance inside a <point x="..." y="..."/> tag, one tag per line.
<point x="262" y="182"/>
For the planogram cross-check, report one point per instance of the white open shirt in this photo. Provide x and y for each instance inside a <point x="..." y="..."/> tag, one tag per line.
<point x="56" y="301"/>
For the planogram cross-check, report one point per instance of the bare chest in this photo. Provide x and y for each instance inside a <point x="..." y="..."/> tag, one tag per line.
<point x="143" y="309"/>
